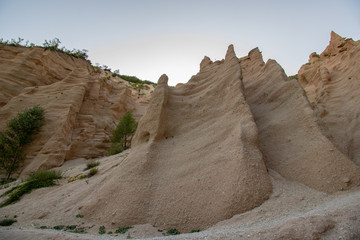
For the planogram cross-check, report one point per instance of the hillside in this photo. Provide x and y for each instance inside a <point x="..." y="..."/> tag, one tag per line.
<point x="82" y="104"/>
<point x="240" y="151"/>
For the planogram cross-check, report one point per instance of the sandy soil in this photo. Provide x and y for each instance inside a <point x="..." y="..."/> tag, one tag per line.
<point x="294" y="211"/>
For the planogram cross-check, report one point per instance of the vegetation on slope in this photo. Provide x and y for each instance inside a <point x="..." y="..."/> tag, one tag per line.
<point x="36" y="180"/>
<point x="19" y="133"/>
<point x="54" y="45"/>
<point x="123" y="134"/>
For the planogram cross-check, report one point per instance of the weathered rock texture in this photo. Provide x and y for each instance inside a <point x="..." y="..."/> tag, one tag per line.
<point x="332" y="83"/>
<point x="290" y="139"/>
<point x="203" y="151"/>
<point x="81" y="108"/>
<point x="194" y="159"/>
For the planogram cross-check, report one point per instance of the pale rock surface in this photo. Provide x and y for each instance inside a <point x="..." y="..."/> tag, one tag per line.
<point x="81" y="107"/>
<point x="289" y="137"/>
<point x="199" y="161"/>
<point x="332" y="84"/>
<point x="194" y="159"/>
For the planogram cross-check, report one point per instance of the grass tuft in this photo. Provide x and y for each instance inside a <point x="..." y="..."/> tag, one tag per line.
<point x="7" y="222"/>
<point x="92" y="172"/>
<point x="59" y="227"/>
<point x="173" y="231"/>
<point x="36" y="180"/>
<point x="91" y="164"/>
<point x="123" y="230"/>
<point x="102" y="230"/>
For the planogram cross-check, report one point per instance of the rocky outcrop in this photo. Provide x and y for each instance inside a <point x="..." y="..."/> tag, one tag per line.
<point x="202" y="150"/>
<point x="194" y="158"/>
<point x="289" y="136"/>
<point x="81" y="107"/>
<point x="332" y="85"/>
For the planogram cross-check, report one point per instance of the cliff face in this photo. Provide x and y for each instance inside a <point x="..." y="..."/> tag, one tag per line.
<point x="203" y="151"/>
<point x="331" y="81"/>
<point x="81" y="108"/>
<point x="194" y="159"/>
<point x="289" y="136"/>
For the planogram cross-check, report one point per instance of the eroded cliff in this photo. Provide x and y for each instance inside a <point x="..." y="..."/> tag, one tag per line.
<point x="194" y="159"/>
<point x="81" y="106"/>
<point x="331" y="81"/>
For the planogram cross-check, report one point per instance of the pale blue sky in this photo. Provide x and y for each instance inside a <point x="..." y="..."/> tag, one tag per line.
<point x="147" y="38"/>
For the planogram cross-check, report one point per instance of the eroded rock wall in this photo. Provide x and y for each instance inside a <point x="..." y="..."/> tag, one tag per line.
<point x="332" y="83"/>
<point x="81" y="107"/>
<point x="194" y="159"/>
<point x="289" y="136"/>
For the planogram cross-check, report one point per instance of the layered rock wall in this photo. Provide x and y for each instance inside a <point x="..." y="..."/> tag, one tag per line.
<point x="81" y="107"/>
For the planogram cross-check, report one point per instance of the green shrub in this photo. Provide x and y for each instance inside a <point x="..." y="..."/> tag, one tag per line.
<point x="7" y="222"/>
<point x="294" y="77"/>
<point x="20" y="132"/>
<point x="115" y="149"/>
<point x="79" y="216"/>
<point x="92" y="172"/>
<point x="9" y="191"/>
<point x="123" y="230"/>
<point x="131" y="79"/>
<point x="59" y="227"/>
<point x="124" y="132"/>
<point x="173" y="231"/>
<point x="12" y="42"/>
<point x="102" y="230"/>
<point x="195" y="231"/>
<point x="70" y="227"/>
<point x="52" y="45"/>
<point x="34" y="181"/>
<point x="92" y="164"/>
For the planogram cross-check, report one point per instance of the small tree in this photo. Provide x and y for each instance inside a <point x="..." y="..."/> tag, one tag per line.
<point x="20" y="131"/>
<point x="123" y="134"/>
<point x="53" y="45"/>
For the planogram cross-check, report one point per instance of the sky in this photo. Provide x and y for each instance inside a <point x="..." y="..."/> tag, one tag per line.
<point x="146" y="38"/>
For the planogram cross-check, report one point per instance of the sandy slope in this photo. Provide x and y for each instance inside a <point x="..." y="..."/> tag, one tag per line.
<point x="194" y="159"/>
<point x="293" y="211"/>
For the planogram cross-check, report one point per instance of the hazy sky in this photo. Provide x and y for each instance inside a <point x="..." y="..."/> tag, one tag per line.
<point x="147" y="38"/>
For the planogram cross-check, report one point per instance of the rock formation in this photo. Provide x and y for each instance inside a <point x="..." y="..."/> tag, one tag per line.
<point x="332" y="85"/>
<point x="81" y="108"/>
<point x="289" y="136"/>
<point x="205" y="150"/>
<point x="194" y="158"/>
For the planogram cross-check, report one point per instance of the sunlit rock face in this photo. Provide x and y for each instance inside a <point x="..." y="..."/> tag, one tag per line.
<point x="332" y="84"/>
